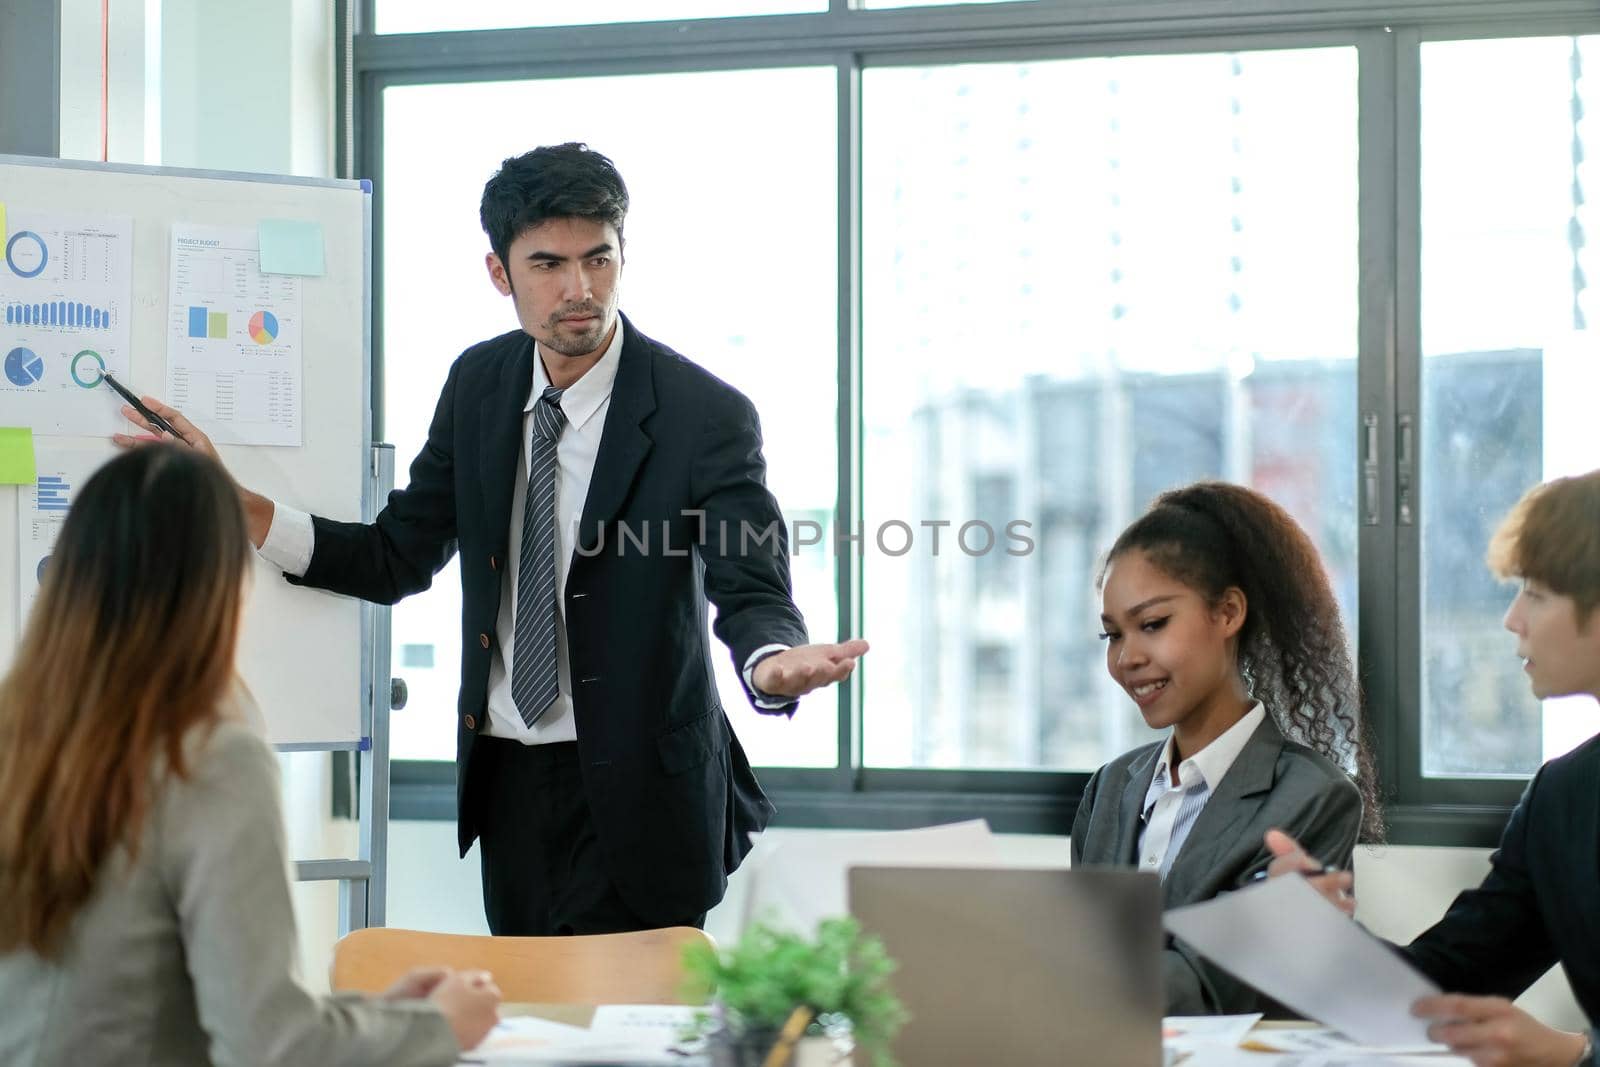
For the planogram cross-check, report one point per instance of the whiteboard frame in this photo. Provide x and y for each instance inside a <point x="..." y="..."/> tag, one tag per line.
<point x="363" y="880"/>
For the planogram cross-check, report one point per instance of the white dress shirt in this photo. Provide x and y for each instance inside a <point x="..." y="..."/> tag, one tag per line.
<point x="290" y="541"/>
<point x="1170" y="811"/>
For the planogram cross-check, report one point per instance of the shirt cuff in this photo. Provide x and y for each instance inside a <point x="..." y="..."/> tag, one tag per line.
<point x="764" y="701"/>
<point x="289" y="542"/>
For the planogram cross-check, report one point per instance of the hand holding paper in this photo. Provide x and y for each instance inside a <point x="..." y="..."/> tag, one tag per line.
<point x="1285" y="939"/>
<point x="1494" y="1030"/>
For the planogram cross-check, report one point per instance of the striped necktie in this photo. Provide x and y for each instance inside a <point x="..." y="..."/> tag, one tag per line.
<point x="533" y="649"/>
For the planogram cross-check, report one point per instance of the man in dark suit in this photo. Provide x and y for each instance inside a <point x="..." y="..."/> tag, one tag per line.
<point x="600" y="488"/>
<point x="1540" y="903"/>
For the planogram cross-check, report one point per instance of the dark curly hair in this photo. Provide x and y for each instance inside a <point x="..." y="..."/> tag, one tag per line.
<point x="1293" y="655"/>
<point x="563" y="181"/>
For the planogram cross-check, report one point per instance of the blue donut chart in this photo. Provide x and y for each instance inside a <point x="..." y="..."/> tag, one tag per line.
<point x="11" y="249"/>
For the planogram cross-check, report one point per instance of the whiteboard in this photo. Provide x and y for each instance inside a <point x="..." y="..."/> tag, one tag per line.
<point x="303" y="653"/>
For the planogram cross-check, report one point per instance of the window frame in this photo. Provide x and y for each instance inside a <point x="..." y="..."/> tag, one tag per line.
<point x="1387" y="37"/>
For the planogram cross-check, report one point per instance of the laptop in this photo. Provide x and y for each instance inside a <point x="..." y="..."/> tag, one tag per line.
<point x="1027" y="968"/>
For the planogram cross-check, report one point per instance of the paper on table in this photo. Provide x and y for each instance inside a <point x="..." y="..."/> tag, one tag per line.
<point x="665" y="1022"/>
<point x="1282" y="937"/>
<point x="1185" y="1033"/>
<point x="1323" y="1040"/>
<point x="531" y="1040"/>
<point x="800" y="882"/>
<point x="1220" y="1056"/>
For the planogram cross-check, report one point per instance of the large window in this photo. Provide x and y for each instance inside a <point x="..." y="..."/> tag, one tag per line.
<point x="430" y="16"/>
<point x="741" y="176"/>
<point x="1082" y="288"/>
<point x="995" y="275"/>
<point x="1510" y="370"/>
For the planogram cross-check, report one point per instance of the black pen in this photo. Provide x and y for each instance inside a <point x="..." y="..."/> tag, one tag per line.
<point x="1262" y="875"/>
<point x="151" y="417"/>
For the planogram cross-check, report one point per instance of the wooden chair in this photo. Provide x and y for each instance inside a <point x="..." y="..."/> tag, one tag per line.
<point x="634" y="968"/>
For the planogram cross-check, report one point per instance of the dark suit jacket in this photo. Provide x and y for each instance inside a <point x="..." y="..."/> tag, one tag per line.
<point x="1273" y="783"/>
<point x="1540" y="904"/>
<point x="671" y="794"/>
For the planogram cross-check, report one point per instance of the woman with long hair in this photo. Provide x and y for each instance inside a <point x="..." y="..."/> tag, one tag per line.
<point x="1221" y="625"/>
<point x="144" y="899"/>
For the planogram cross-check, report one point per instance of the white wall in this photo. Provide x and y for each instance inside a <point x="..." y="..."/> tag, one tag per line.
<point x="1401" y="891"/>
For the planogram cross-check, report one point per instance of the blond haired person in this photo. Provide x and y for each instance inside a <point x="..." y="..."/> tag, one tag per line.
<point x="144" y="894"/>
<point x="1540" y="904"/>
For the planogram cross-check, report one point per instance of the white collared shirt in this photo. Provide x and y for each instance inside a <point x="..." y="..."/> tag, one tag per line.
<point x="1170" y="811"/>
<point x="290" y="542"/>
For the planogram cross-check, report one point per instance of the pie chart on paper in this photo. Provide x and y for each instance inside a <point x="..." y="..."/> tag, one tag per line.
<point x="263" y="327"/>
<point x="23" y="366"/>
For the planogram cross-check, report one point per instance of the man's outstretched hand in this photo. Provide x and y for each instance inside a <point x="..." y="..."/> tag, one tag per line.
<point x="797" y="671"/>
<point x="257" y="508"/>
<point x="188" y="432"/>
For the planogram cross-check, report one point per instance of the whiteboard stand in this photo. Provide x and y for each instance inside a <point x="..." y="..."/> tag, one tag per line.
<point x="363" y="881"/>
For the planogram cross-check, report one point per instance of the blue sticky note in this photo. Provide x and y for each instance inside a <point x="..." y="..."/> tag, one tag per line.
<point x="291" y="246"/>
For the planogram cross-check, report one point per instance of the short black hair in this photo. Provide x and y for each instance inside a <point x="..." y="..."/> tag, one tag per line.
<point x="564" y="181"/>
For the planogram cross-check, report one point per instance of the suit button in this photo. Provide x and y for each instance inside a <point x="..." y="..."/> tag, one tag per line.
<point x="471" y="723"/>
<point x="494" y="563"/>
<point x="483" y="639"/>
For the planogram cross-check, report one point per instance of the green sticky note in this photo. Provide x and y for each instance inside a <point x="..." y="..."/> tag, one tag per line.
<point x="16" y="456"/>
<point x="291" y="246"/>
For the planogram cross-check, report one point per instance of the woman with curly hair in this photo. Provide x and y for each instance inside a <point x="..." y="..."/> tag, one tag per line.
<point x="1221" y="625"/>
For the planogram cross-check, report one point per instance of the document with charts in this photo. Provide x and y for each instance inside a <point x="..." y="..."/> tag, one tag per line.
<point x="66" y="284"/>
<point x="233" y="339"/>
<point x="42" y="508"/>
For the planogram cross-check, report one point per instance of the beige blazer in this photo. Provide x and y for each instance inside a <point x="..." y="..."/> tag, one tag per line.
<point x="186" y="955"/>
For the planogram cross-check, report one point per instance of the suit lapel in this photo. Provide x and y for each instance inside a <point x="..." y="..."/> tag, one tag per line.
<point x="1131" y="810"/>
<point x="1233" y="804"/>
<point x="500" y="437"/>
<point x="623" y="443"/>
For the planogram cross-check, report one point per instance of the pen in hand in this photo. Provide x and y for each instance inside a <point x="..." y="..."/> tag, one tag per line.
<point x="1262" y="875"/>
<point x="149" y="416"/>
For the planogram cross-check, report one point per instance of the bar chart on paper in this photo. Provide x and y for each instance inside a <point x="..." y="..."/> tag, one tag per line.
<point x="61" y="470"/>
<point x="233" y="338"/>
<point x="65" y="290"/>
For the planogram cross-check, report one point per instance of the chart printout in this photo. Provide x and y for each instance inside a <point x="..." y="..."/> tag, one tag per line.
<point x="66" y="285"/>
<point x="42" y="508"/>
<point x="233" y="339"/>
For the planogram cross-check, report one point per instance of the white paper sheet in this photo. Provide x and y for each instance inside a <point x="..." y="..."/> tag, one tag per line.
<point x="1325" y="1040"/>
<point x="1282" y="937"/>
<point x="66" y="290"/>
<point x="233" y="339"/>
<point x="626" y="1036"/>
<point x="1221" y="1056"/>
<point x="42" y="509"/>
<point x="1185" y="1033"/>
<point x="800" y="882"/>
<point x="661" y="1022"/>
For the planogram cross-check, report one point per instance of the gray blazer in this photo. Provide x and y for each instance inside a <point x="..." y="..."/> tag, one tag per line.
<point x="1273" y="783"/>
<point x="185" y="955"/>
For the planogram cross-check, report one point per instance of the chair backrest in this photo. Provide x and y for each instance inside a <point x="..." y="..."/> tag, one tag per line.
<point x="633" y="968"/>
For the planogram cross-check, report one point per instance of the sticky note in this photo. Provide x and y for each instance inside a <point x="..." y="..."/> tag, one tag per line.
<point x="16" y="456"/>
<point x="291" y="246"/>
<point x="2" y="220"/>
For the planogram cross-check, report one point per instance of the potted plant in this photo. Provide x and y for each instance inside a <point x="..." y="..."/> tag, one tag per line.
<point x="773" y="982"/>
